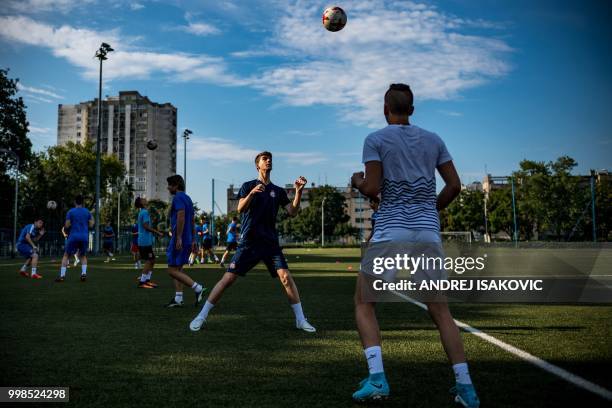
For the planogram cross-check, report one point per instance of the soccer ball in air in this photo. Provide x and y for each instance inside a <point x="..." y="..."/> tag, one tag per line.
<point x="334" y="19"/>
<point x="151" y="144"/>
<point x="52" y="205"/>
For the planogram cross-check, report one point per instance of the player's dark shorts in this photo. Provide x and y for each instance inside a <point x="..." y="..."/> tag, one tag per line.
<point x="207" y="243"/>
<point x="108" y="245"/>
<point x="146" y="253"/>
<point x="74" y="245"/>
<point x="25" y="250"/>
<point x="178" y="258"/>
<point x="231" y="246"/>
<point x="134" y="248"/>
<point x="247" y="256"/>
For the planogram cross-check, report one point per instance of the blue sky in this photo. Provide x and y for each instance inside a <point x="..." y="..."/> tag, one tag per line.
<point x="498" y="81"/>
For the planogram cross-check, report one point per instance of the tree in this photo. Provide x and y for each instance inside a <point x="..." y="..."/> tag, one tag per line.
<point x="465" y="213"/>
<point x="13" y="137"/>
<point x="499" y="209"/>
<point x="307" y="224"/>
<point x="159" y="212"/>
<point x="63" y="172"/>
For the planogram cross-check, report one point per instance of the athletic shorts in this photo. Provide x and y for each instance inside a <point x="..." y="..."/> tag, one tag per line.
<point x="207" y="243"/>
<point x="231" y="246"/>
<point x="25" y="250"/>
<point x="178" y="258"/>
<point x="108" y="245"/>
<point x="74" y="244"/>
<point x="146" y="253"/>
<point x="134" y="248"/>
<point x="248" y="256"/>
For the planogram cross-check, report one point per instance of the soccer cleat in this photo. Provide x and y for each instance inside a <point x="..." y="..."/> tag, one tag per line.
<point x="59" y="279"/>
<point x="145" y="285"/>
<point x="196" y="324"/>
<point x="83" y="278"/>
<point x="36" y="276"/>
<point x="107" y="261"/>
<point x="174" y="303"/>
<point x="200" y="296"/>
<point x="465" y="394"/>
<point x="304" y="325"/>
<point x="25" y="274"/>
<point x="373" y="388"/>
<point x="151" y="283"/>
<point x="76" y="262"/>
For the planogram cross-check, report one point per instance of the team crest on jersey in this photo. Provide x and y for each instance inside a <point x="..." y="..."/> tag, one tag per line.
<point x="272" y="194"/>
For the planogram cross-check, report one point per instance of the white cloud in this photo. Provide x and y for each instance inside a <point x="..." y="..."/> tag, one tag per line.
<point x="78" y="45"/>
<point x="39" y="130"/>
<point x="37" y="91"/>
<point x="35" y="6"/>
<point x="221" y="151"/>
<point x="136" y="6"/>
<point x="200" y="28"/>
<point x="451" y="113"/>
<point x="383" y="42"/>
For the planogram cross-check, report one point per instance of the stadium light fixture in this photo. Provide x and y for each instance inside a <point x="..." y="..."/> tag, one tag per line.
<point x="101" y="54"/>
<point x="186" y="134"/>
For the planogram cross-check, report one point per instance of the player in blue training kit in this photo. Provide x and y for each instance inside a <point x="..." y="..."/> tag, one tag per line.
<point x="402" y="159"/>
<point x="195" y="256"/>
<point x="207" y="244"/>
<point x="259" y="203"/>
<point x="232" y="242"/>
<point x="108" y="236"/>
<point x="145" y="243"/>
<point x="182" y="226"/>
<point x="66" y="234"/>
<point x="26" y="246"/>
<point x="78" y="221"/>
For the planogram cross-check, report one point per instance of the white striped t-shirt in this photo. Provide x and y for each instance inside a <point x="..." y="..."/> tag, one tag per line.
<point x="409" y="157"/>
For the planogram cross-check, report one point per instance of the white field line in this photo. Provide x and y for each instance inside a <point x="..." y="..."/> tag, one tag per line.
<point x="530" y="358"/>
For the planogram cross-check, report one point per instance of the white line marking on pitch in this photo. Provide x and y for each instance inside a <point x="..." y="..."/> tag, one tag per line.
<point x="530" y="358"/>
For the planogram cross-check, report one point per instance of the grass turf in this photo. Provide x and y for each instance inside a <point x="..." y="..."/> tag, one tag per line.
<point x="115" y="345"/>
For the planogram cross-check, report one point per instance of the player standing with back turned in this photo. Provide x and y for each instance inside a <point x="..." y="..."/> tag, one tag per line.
<point x="403" y="158"/>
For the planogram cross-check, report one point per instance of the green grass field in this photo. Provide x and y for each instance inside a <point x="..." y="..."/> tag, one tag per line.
<point x="116" y="346"/>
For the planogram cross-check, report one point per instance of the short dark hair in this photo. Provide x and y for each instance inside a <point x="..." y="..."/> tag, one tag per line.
<point x="399" y="99"/>
<point x="138" y="202"/>
<point x="234" y="218"/>
<point x="259" y="155"/>
<point x="176" y="180"/>
<point x="375" y="200"/>
<point x="78" y="199"/>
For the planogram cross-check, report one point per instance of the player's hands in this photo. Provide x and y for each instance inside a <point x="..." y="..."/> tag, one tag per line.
<point x="41" y="231"/>
<point x="257" y="189"/>
<point x="178" y="245"/>
<point x="160" y="234"/>
<point x="299" y="183"/>
<point x="357" y="179"/>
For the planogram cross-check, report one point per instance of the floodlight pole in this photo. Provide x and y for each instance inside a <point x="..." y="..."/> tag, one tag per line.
<point x="14" y="251"/>
<point x="101" y="55"/>
<point x="186" y="134"/>
<point x="514" y="213"/>
<point x="593" y="205"/>
<point x="323" y="222"/>
<point x="212" y="214"/>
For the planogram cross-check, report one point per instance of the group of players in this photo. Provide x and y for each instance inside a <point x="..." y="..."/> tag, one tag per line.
<point x="400" y="163"/>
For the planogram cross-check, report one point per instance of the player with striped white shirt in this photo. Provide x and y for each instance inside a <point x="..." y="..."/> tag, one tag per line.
<point x="400" y="162"/>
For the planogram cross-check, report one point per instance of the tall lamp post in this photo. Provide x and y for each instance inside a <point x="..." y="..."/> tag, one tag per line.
<point x="101" y="55"/>
<point x="16" y="199"/>
<point x="323" y="222"/>
<point x="186" y="134"/>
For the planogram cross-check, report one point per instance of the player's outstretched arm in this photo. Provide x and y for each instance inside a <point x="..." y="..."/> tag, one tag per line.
<point x="244" y="202"/>
<point x="294" y="207"/>
<point x="452" y="185"/>
<point x="368" y="184"/>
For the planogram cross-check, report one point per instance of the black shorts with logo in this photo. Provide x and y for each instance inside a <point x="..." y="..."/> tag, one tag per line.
<point x="146" y="253"/>
<point x="248" y="255"/>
